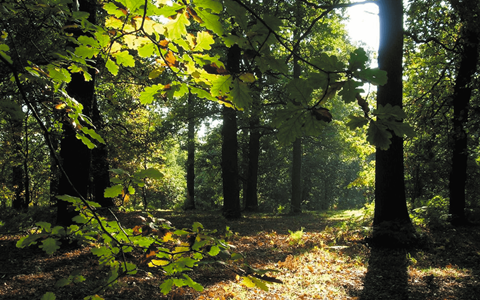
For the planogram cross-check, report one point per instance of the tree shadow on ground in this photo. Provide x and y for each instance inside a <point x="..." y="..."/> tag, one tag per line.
<point x="386" y="277"/>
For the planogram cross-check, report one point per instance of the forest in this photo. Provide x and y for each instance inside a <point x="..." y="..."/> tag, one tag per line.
<point x="238" y="149"/>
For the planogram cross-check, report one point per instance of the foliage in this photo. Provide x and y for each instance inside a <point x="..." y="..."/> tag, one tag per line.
<point x="162" y="248"/>
<point x="433" y="213"/>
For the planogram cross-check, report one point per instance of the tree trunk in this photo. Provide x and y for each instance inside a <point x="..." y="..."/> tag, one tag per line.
<point x="231" y="197"/>
<point x="190" y="203"/>
<point x="461" y="102"/>
<point x="251" y="199"/>
<point x="296" y="201"/>
<point x="74" y="154"/>
<point x="100" y="166"/>
<point x="390" y="200"/>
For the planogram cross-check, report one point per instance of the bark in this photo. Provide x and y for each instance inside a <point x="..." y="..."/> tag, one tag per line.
<point x="390" y="200"/>
<point x="100" y="167"/>
<point x="231" y="197"/>
<point x="74" y="154"/>
<point x="296" y="201"/>
<point x="251" y="199"/>
<point x="461" y="103"/>
<point x="190" y="203"/>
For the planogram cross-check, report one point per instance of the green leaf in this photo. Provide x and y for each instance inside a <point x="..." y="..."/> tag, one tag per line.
<point x="214" y="251"/>
<point x="85" y="51"/>
<point x="356" y="122"/>
<point x="50" y="245"/>
<point x="214" y="5"/>
<point x="248" y="282"/>
<point x="113" y="191"/>
<point x="389" y="112"/>
<point x="259" y="283"/>
<point x="59" y="74"/>
<point x="46" y="227"/>
<point x="300" y="90"/>
<point x="378" y="135"/>
<point x="221" y="86"/>
<point x="211" y="21"/>
<point x="112" y="67"/>
<point x="63" y="282"/>
<point x="80" y="219"/>
<point x="166" y="286"/>
<point x="48" y="296"/>
<point x="148" y="95"/>
<point x="374" y="76"/>
<point x="204" y="41"/>
<point x="350" y="90"/>
<point x="102" y="251"/>
<point x="195" y="285"/>
<point x="29" y="240"/>
<point x="112" y="9"/>
<point x="94" y="297"/>
<point x="177" y="28"/>
<point x="124" y="58"/>
<point x="241" y="94"/>
<point x="93" y="134"/>
<point x="86" y="141"/>
<point x="149" y="173"/>
<point x="357" y="60"/>
<point x="147" y="50"/>
<point x="400" y="129"/>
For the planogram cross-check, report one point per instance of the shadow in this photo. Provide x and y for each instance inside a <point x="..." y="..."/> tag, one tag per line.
<point x="386" y="276"/>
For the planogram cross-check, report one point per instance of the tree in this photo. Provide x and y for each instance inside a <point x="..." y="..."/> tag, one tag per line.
<point x="390" y="200"/>
<point x="469" y="58"/>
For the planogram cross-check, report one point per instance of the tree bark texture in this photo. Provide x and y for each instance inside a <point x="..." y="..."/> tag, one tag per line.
<point x="251" y="199"/>
<point x="190" y="204"/>
<point x="390" y="200"/>
<point x="461" y="104"/>
<point x="74" y="154"/>
<point x="231" y="197"/>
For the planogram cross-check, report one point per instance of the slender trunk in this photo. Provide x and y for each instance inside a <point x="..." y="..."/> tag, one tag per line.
<point x="251" y="199"/>
<point x="461" y="103"/>
<point x="390" y="200"/>
<point x="296" y="201"/>
<point x="231" y="197"/>
<point x="190" y="204"/>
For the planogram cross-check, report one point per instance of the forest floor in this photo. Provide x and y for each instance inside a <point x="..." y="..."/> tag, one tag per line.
<point x="319" y="255"/>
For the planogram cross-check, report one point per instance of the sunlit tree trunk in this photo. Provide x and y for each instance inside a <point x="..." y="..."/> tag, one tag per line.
<point x="390" y="200"/>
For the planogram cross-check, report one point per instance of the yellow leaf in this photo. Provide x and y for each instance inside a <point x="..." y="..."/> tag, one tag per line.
<point x="115" y="47"/>
<point x="158" y="262"/>
<point x="167" y="237"/>
<point x="247" y="282"/>
<point x="155" y="73"/>
<point x="247" y="77"/>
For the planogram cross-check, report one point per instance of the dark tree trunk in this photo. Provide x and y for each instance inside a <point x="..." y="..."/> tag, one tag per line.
<point x="390" y="200"/>
<point x="190" y="203"/>
<point x="19" y="179"/>
<point x="296" y="201"/>
<point x="74" y="154"/>
<point x="100" y="167"/>
<point x="251" y="199"/>
<point x="461" y="99"/>
<point x="231" y="198"/>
